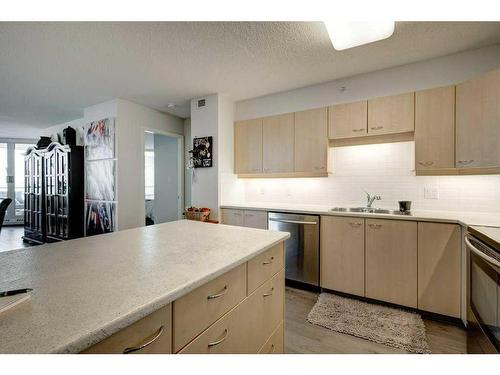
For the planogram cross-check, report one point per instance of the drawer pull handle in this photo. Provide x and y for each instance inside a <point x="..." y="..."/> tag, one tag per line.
<point x="226" y="332"/>
<point x="376" y="226"/>
<point x="355" y="225"/>
<point x="142" y="346"/>
<point x="273" y="348"/>
<point x="465" y="162"/>
<point x="271" y="260"/>
<point x="213" y="296"/>
<point x="270" y="293"/>
<point x="426" y="163"/>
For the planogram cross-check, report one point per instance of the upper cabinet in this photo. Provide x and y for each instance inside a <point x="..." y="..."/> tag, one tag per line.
<point x="248" y="146"/>
<point x="348" y="120"/>
<point x="278" y="144"/>
<point x="478" y="122"/>
<point x="391" y="114"/>
<point x="435" y="129"/>
<point x="311" y="140"/>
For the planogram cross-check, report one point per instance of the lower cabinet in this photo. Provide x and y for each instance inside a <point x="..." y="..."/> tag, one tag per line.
<point x="391" y="261"/>
<point x="244" y="218"/>
<point x="343" y="254"/>
<point x="408" y="263"/>
<point x="221" y="316"/>
<point x="439" y="261"/>
<point x="150" y="335"/>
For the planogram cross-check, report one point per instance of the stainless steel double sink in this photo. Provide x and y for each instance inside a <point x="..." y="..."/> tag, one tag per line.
<point x="370" y="210"/>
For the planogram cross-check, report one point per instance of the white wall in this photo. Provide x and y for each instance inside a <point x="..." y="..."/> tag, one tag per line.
<point x="132" y="120"/>
<point x="205" y="183"/>
<point x="166" y="179"/>
<point x="422" y="75"/>
<point x="188" y="144"/>
<point x="382" y="169"/>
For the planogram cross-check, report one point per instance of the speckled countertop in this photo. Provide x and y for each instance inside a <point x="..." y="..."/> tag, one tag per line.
<point x="89" y="288"/>
<point x="463" y="218"/>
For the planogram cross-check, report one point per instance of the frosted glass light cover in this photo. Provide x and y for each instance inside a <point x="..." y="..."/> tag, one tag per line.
<point x="350" y="34"/>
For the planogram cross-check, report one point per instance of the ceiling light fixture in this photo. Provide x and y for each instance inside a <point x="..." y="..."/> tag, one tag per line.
<point x="350" y="34"/>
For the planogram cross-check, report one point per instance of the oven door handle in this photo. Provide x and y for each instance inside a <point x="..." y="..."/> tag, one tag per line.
<point x="479" y="253"/>
<point x="294" y="221"/>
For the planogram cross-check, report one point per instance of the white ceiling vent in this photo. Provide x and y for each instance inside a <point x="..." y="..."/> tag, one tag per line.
<point x="202" y="103"/>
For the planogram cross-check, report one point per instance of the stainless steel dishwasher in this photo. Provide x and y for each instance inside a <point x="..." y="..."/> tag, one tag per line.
<point x="301" y="249"/>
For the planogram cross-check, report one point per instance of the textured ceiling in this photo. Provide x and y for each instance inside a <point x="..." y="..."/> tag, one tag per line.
<point x="49" y="72"/>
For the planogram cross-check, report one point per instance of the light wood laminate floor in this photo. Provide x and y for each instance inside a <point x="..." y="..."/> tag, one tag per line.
<point x="304" y="337"/>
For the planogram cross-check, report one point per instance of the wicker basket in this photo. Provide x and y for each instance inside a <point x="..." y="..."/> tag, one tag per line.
<point x="197" y="215"/>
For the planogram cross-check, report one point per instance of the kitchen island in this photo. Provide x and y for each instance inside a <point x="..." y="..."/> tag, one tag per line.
<point x="195" y="275"/>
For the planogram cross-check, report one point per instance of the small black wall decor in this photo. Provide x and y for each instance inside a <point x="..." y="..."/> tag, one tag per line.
<point x="202" y="152"/>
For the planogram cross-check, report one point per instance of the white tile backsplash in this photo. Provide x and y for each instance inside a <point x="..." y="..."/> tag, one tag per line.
<point x="383" y="169"/>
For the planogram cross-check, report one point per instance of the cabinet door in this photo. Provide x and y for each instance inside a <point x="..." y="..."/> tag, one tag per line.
<point x="439" y="268"/>
<point x="478" y="121"/>
<point x="255" y="219"/>
<point x="435" y="128"/>
<point x="278" y="141"/>
<point x="248" y="146"/>
<point x="343" y="254"/>
<point x="311" y="140"/>
<point x="391" y="114"/>
<point x="348" y="120"/>
<point x="391" y="261"/>
<point x="232" y="217"/>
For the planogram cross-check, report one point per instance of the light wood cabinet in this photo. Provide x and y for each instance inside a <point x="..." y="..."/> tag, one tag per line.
<point x="244" y="218"/>
<point x="264" y="266"/>
<point x="203" y="306"/>
<point x="311" y="140"/>
<point x="231" y="216"/>
<point x="248" y="146"/>
<point x="278" y="143"/>
<point x="348" y="120"/>
<point x="276" y="343"/>
<point x="439" y="248"/>
<point x="255" y="219"/>
<point x="391" y="114"/>
<point x="478" y="121"/>
<point x="435" y="129"/>
<point x="391" y="261"/>
<point x="149" y="335"/>
<point x="343" y="254"/>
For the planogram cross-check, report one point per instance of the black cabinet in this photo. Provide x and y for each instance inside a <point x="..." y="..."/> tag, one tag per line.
<point x="57" y="211"/>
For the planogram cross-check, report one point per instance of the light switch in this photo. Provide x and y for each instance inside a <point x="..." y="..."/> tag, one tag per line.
<point x="431" y="192"/>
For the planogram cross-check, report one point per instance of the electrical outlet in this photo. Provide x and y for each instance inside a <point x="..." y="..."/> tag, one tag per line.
<point x="431" y="192"/>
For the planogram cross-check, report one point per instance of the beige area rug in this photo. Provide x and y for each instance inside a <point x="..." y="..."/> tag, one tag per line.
<point x="385" y="325"/>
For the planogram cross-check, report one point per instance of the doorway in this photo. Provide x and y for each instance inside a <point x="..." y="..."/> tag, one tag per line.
<point x="12" y="177"/>
<point x="163" y="177"/>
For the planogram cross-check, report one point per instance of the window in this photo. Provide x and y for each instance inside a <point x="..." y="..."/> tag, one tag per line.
<point x="149" y="174"/>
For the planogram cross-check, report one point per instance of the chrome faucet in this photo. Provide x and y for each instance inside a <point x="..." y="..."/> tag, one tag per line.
<point x="371" y="198"/>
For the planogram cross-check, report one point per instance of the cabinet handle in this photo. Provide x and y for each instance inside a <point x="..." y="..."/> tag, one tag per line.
<point x="465" y="162"/>
<point x="142" y="346"/>
<point x="317" y="168"/>
<point x="375" y="226"/>
<point x="270" y="293"/>
<point x="376" y="127"/>
<point x="273" y="348"/>
<point x="271" y="260"/>
<point x="267" y="170"/>
<point x="214" y="296"/>
<point x="358" y="130"/>
<point x="355" y="225"/>
<point x="249" y="214"/>
<point x="426" y="163"/>
<point x="226" y="332"/>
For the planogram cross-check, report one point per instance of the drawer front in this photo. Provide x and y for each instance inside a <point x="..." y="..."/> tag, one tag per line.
<point x="232" y="217"/>
<point x="275" y="343"/>
<point x="153" y="333"/>
<point x="247" y="327"/>
<point x="194" y="312"/>
<point x="255" y="219"/>
<point x="264" y="266"/>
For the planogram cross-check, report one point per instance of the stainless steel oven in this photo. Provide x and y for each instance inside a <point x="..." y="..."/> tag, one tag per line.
<point x="301" y="249"/>
<point x="484" y="294"/>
